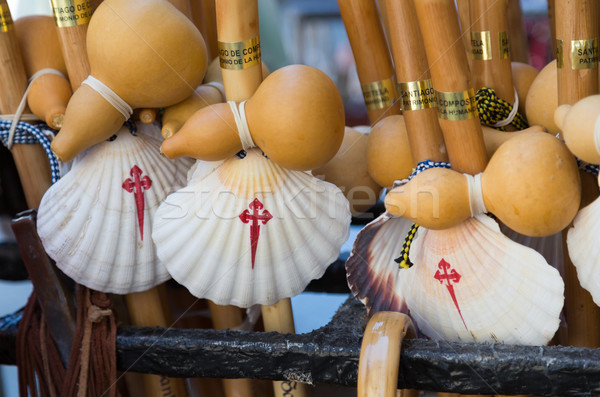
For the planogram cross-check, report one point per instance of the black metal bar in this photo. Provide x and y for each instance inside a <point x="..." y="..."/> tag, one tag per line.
<point x="330" y="354"/>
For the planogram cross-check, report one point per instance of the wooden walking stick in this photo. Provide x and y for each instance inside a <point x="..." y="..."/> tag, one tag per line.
<point x="204" y="17"/>
<point x="31" y="161"/>
<point x="373" y="64"/>
<point x="577" y="56"/>
<point x="72" y="23"/>
<point x="519" y="50"/>
<point x="380" y="354"/>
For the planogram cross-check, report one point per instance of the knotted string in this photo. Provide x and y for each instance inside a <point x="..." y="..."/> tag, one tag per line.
<point x="496" y="112"/>
<point x="239" y="114"/>
<point x="112" y="97"/>
<point x="21" y="108"/>
<point x="476" y="202"/>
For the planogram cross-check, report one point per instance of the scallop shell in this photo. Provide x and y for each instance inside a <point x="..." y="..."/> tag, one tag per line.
<point x="472" y="283"/>
<point x="89" y="221"/>
<point x="371" y="269"/>
<point x="251" y="232"/>
<point x="584" y="248"/>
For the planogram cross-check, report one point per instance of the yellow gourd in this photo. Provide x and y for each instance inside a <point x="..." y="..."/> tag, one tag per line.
<point x="147" y="52"/>
<point x="534" y="192"/>
<point x="493" y="138"/>
<point x="388" y="151"/>
<point x="523" y="76"/>
<point x="542" y="99"/>
<point x="348" y="171"/>
<point x="296" y="117"/>
<point x="49" y="93"/>
<point x="580" y="128"/>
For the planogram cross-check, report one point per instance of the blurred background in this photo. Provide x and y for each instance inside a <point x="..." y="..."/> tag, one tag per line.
<point x="309" y="32"/>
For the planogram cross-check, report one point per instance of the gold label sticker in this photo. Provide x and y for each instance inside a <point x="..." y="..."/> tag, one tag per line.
<point x="379" y="94"/>
<point x="560" y="60"/>
<point x="239" y="55"/>
<point x="6" y="22"/>
<point x="417" y="95"/>
<point x="71" y="12"/>
<point x="481" y="45"/>
<point x="456" y="105"/>
<point x="503" y="45"/>
<point x="584" y="54"/>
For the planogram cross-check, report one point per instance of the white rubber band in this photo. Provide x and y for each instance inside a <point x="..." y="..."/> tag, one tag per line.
<point x="511" y="115"/>
<point x="239" y="115"/>
<point x="597" y="134"/>
<point x="115" y="100"/>
<point x="218" y="86"/>
<point x="476" y="202"/>
<point x="18" y="116"/>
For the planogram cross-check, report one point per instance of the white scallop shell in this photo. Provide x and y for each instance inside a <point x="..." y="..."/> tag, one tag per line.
<point x="584" y="248"/>
<point x="371" y="269"/>
<point x="203" y="241"/>
<point x="88" y="220"/>
<point x="472" y="283"/>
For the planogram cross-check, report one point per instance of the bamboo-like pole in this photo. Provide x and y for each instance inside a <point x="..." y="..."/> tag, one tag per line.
<point x="31" y="161"/>
<point x="414" y="81"/>
<point x="373" y="63"/>
<point x="490" y="47"/>
<point x="577" y="56"/>
<point x="451" y="79"/>
<point x="72" y="24"/>
<point x="464" y="15"/>
<point x="519" y="43"/>
<point x="205" y="10"/>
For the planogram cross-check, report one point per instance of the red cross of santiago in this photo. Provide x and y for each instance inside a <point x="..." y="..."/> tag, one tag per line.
<point x="451" y="278"/>
<point x="137" y="185"/>
<point x="255" y="216"/>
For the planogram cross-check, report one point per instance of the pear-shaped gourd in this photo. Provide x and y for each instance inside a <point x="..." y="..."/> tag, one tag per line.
<point x="296" y="116"/>
<point x="531" y="184"/>
<point x="542" y="99"/>
<point x="523" y="76"/>
<point x="493" y="138"/>
<point x="388" y="152"/>
<point x="348" y="171"/>
<point x="580" y="126"/>
<point x="145" y="51"/>
<point x="49" y="93"/>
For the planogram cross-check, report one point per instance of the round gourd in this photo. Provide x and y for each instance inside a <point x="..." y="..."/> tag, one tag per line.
<point x="542" y="99"/>
<point x="534" y="192"/>
<point x="580" y="128"/>
<point x="147" y="52"/>
<point x="49" y="93"/>
<point x="523" y="76"/>
<point x="494" y="138"/>
<point x="348" y="171"/>
<point x="296" y="116"/>
<point x="388" y="151"/>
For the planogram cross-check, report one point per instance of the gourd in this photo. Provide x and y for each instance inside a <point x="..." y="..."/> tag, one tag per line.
<point x="580" y="127"/>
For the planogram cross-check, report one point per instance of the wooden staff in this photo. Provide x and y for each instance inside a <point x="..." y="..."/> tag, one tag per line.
<point x="519" y="43"/>
<point x="577" y="76"/>
<point x="490" y="48"/>
<point x="380" y="353"/>
<point x="204" y="17"/>
<point x="72" y="25"/>
<point x="464" y="15"/>
<point x="373" y="63"/>
<point x="449" y="73"/>
<point x="414" y="80"/>
<point x="184" y="7"/>
<point x="31" y="161"/>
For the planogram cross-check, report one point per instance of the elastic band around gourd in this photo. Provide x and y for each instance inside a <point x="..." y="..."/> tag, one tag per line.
<point x="18" y="116"/>
<point x="511" y="115"/>
<point x="476" y="202"/>
<point x="112" y="97"/>
<point x="218" y="86"/>
<point x="239" y="114"/>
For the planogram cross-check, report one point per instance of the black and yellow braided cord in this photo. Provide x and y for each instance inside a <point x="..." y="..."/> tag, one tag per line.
<point x="493" y="109"/>
<point x="403" y="260"/>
